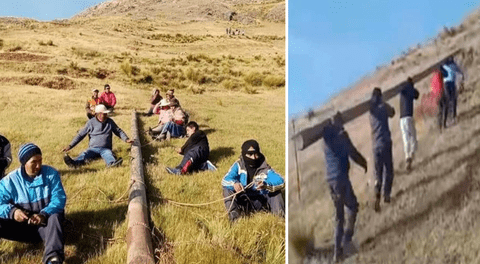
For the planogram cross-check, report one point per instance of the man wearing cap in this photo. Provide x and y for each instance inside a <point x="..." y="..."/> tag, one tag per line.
<point x="166" y="115"/>
<point x="108" y="98"/>
<point x="195" y="152"/>
<point x="257" y="185"/>
<point x="32" y="202"/>
<point x="176" y="123"/>
<point x="337" y="150"/>
<point x="5" y="155"/>
<point x="91" y="103"/>
<point x="100" y="131"/>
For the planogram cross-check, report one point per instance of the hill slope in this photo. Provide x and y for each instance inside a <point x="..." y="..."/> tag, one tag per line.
<point x="434" y="208"/>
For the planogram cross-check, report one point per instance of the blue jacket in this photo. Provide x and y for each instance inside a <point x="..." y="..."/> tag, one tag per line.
<point x="238" y="173"/>
<point x="337" y="149"/>
<point x="379" y="114"/>
<point x="43" y="194"/>
<point x="407" y="95"/>
<point x="100" y="133"/>
<point x="449" y="71"/>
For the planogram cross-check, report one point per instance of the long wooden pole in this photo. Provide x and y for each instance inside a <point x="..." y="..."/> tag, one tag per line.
<point x="139" y="239"/>
<point x="308" y="136"/>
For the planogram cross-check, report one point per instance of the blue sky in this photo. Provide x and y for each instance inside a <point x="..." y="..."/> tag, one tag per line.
<point x="44" y="10"/>
<point x="332" y="44"/>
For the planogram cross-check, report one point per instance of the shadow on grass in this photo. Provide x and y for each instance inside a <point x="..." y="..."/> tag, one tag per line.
<point x="85" y="230"/>
<point x="221" y="153"/>
<point x="22" y="249"/>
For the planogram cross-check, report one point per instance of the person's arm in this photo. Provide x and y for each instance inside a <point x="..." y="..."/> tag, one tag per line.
<point x="6" y="159"/>
<point x="79" y="137"/>
<point x="114" y="100"/>
<point x="416" y="94"/>
<point x="58" y="197"/>
<point x="354" y="154"/>
<point x="390" y="110"/>
<point x="118" y="131"/>
<point x="273" y="181"/>
<point x="6" y="208"/>
<point x="232" y="177"/>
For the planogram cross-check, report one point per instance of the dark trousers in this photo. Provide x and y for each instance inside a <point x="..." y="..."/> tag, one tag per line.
<point x="452" y="98"/>
<point x="253" y="201"/>
<point x="442" y="111"/>
<point x="51" y="234"/>
<point x="198" y="155"/>
<point x="343" y="198"/>
<point x="383" y="168"/>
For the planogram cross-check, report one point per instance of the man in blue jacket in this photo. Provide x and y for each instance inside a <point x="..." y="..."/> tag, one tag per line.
<point x="32" y="202"/>
<point x="100" y="130"/>
<point x="382" y="146"/>
<point x="337" y="150"/>
<point x="407" y="124"/>
<point x="257" y="185"/>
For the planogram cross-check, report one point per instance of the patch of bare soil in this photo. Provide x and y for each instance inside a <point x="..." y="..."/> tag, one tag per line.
<point x="57" y="82"/>
<point x="23" y="57"/>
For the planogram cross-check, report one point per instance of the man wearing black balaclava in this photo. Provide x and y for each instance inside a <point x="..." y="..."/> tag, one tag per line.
<point x="257" y="184"/>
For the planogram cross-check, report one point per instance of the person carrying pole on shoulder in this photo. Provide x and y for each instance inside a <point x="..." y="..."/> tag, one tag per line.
<point x="407" y="123"/>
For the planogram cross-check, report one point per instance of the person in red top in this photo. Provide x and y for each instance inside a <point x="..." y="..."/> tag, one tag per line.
<point x="108" y="98"/>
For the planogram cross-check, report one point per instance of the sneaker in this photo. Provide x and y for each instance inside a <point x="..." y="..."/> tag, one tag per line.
<point x="408" y="164"/>
<point x="233" y="215"/>
<point x="168" y="136"/>
<point x="69" y="161"/>
<point x="210" y="166"/>
<point x="159" y="137"/>
<point x="174" y="171"/>
<point x="117" y="163"/>
<point x="54" y="260"/>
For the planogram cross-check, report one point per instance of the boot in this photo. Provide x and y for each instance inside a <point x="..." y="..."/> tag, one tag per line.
<point x="187" y="166"/>
<point x="69" y="161"/>
<point x="174" y="171"/>
<point x="408" y="164"/>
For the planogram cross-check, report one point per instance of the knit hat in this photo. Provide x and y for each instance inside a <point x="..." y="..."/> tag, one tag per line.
<point x="27" y="151"/>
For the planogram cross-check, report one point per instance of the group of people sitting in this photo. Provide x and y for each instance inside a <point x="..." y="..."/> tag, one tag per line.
<point x="32" y="197"/>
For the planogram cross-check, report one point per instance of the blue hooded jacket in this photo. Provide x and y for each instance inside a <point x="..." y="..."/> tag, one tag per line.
<point x="43" y="194"/>
<point x="379" y="114"/>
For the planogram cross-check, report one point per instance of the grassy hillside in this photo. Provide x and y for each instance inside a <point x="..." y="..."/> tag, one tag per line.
<point x="434" y="208"/>
<point x="233" y="86"/>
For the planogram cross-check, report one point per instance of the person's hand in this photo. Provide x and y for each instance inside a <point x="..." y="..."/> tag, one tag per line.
<point x="37" y="219"/>
<point x="20" y="216"/>
<point x="261" y="185"/>
<point x="238" y="187"/>
<point x="129" y="141"/>
<point x="65" y="149"/>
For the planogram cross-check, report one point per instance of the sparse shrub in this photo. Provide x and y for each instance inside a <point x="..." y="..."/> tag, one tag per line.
<point x="194" y="89"/>
<point x="250" y="90"/>
<point x="74" y="65"/>
<point x="85" y="53"/>
<point x="34" y="81"/>
<point x="274" y="81"/>
<point x="192" y="74"/>
<point x="258" y="57"/>
<point x="1" y="43"/>
<point x="129" y="69"/>
<point x="280" y="60"/>
<point x="254" y="78"/>
<point x="101" y="73"/>
<point x="41" y="43"/>
<point x="229" y="84"/>
<point x="16" y="48"/>
<point x="219" y="102"/>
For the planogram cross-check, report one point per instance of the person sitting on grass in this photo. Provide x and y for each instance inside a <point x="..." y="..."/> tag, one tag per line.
<point x="165" y="116"/>
<point x="91" y="103"/>
<point x="100" y="131"/>
<point x="154" y="100"/>
<point x="195" y="152"/>
<point x="174" y="127"/>
<point x="5" y="155"/>
<point x="32" y="203"/>
<point x="257" y="184"/>
<point x="108" y="98"/>
<point x="170" y="96"/>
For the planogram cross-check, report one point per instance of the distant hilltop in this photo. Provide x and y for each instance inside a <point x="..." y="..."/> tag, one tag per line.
<point x="242" y="11"/>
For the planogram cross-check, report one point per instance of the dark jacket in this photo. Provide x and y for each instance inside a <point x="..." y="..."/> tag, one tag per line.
<point x="5" y="155"/>
<point x="197" y="139"/>
<point x="337" y="149"/>
<point x="379" y="114"/>
<point x="407" y="95"/>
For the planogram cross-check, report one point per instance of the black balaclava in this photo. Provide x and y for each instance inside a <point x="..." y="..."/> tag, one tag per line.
<point x="251" y="164"/>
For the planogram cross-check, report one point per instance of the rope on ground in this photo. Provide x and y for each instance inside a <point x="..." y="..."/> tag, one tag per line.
<point x="120" y="199"/>
<point x="208" y="203"/>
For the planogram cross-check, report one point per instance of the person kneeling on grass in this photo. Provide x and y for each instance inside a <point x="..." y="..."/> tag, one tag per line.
<point x="257" y="184"/>
<point x="174" y="127"/>
<point x="32" y="202"/>
<point x="100" y="131"/>
<point x="195" y="152"/>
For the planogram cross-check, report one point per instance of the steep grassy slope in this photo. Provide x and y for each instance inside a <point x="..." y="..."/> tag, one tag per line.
<point x="432" y="215"/>
<point x="47" y="72"/>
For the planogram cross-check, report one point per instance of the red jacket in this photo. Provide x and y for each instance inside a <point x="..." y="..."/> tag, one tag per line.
<point x="108" y="99"/>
